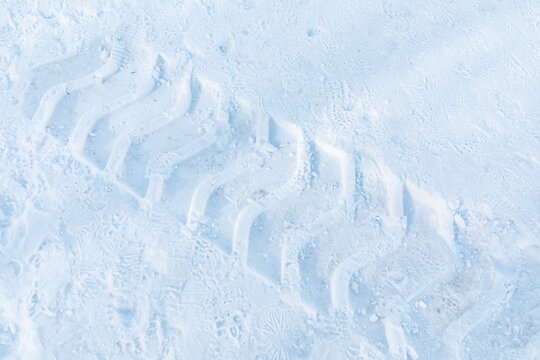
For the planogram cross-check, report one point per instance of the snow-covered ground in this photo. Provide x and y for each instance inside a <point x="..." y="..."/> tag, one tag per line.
<point x="277" y="179"/>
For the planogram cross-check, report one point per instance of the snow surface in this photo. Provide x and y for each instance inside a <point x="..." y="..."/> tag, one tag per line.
<point x="279" y="179"/>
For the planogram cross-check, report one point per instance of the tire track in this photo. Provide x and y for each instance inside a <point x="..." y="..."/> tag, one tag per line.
<point x="51" y="99"/>
<point x="308" y="219"/>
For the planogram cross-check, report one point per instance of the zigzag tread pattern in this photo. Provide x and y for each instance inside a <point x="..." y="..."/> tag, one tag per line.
<point x="317" y="222"/>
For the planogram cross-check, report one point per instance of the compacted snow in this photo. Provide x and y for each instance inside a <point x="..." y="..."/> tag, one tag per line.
<point x="277" y="179"/>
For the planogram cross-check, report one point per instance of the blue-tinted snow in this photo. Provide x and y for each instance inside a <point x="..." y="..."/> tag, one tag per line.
<point x="241" y="179"/>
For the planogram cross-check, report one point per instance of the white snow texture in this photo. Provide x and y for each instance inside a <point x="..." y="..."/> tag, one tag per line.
<point x="270" y="179"/>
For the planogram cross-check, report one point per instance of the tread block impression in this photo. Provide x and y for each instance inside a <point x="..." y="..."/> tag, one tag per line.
<point x="275" y="232"/>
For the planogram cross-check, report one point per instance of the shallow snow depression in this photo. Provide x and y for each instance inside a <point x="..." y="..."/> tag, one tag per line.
<point x="270" y="179"/>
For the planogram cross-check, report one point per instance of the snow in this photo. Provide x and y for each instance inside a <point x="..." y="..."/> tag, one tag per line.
<point x="240" y="179"/>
